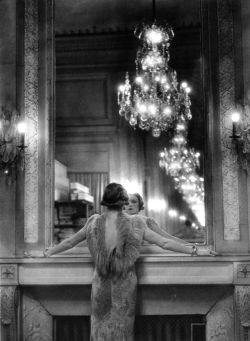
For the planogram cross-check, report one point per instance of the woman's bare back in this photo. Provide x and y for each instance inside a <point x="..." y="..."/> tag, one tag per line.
<point x="111" y="230"/>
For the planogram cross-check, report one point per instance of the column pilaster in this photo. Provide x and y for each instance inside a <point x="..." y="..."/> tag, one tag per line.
<point x="242" y="298"/>
<point x="8" y="302"/>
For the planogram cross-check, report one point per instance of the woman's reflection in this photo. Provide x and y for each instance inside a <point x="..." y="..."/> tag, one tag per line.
<point x="136" y="205"/>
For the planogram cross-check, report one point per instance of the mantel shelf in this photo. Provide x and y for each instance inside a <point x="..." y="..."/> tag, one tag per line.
<point x="151" y="270"/>
<point x="144" y="258"/>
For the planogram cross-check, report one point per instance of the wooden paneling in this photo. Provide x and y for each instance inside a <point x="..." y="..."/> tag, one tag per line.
<point x="84" y="157"/>
<point x="94" y="15"/>
<point x="82" y="100"/>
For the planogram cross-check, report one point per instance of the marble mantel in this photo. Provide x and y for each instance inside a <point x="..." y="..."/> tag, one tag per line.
<point x="151" y="270"/>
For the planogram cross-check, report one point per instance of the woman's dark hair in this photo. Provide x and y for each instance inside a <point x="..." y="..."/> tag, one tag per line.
<point x="140" y="201"/>
<point x="114" y="196"/>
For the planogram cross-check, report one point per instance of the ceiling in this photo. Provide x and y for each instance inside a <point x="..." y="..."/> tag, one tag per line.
<point x="74" y="16"/>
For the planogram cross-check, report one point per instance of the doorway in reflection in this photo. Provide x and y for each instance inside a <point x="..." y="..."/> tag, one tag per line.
<point x="94" y="145"/>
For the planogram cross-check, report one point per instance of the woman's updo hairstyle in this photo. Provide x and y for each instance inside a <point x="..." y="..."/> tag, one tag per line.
<point x="114" y="196"/>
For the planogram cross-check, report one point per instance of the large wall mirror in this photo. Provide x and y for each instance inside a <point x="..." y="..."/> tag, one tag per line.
<point x="94" y="145"/>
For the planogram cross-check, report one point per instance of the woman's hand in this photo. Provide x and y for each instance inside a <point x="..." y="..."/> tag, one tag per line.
<point x="47" y="252"/>
<point x="33" y="254"/>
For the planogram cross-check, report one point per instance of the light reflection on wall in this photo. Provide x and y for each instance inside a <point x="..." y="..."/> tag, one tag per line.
<point x="132" y="186"/>
<point x="157" y="204"/>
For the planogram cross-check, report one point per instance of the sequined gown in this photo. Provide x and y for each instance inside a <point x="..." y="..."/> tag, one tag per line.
<point x="114" y="282"/>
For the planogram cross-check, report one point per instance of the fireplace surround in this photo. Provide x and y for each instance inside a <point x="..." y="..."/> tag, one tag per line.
<point x="42" y="290"/>
<point x="147" y="327"/>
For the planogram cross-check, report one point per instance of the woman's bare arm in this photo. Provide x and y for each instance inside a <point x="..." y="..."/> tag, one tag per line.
<point x="170" y="236"/>
<point x="67" y="243"/>
<point x="152" y="224"/>
<point x="166" y="243"/>
<point x="169" y="244"/>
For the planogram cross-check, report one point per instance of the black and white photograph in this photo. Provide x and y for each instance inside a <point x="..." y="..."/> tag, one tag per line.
<point x="124" y="170"/>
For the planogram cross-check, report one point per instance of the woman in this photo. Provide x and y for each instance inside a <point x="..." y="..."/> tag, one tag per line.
<point x="114" y="240"/>
<point x="136" y="205"/>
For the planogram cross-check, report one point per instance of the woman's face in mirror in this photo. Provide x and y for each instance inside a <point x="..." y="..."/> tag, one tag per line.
<point x="133" y="206"/>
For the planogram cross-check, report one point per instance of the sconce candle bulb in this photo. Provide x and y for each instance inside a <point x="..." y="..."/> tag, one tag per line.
<point x="235" y="119"/>
<point x="21" y="127"/>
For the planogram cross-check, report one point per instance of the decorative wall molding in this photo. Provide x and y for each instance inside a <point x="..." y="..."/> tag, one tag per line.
<point x="49" y="121"/>
<point x="226" y="94"/>
<point x="242" y="300"/>
<point x="31" y="52"/>
<point x="87" y="158"/>
<point x="8" y="303"/>
<point x="8" y="274"/>
<point x="37" y="322"/>
<point x="220" y="321"/>
<point x="112" y="30"/>
<point x="243" y="272"/>
<point x="85" y="49"/>
<point x="242" y="293"/>
<point x="88" y="94"/>
<point x="90" y="134"/>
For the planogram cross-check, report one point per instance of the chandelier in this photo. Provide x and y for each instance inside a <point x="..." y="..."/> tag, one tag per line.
<point x="182" y="164"/>
<point x="154" y="100"/>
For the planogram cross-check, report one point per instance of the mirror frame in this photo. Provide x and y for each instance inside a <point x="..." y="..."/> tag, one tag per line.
<point x="226" y="186"/>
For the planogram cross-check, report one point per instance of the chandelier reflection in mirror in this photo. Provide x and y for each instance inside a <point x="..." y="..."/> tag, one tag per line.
<point x="12" y="147"/>
<point x="182" y="164"/>
<point x="154" y="101"/>
<point x="241" y="136"/>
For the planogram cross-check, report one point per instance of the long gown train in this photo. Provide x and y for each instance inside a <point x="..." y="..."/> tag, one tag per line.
<point x="113" y="295"/>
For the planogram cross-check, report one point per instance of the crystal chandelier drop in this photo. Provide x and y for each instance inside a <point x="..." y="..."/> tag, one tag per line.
<point x="154" y="100"/>
<point x="182" y="164"/>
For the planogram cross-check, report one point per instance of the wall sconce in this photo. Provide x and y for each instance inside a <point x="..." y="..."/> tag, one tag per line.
<point x="241" y="136"/>
<point x="12" y="147"/>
